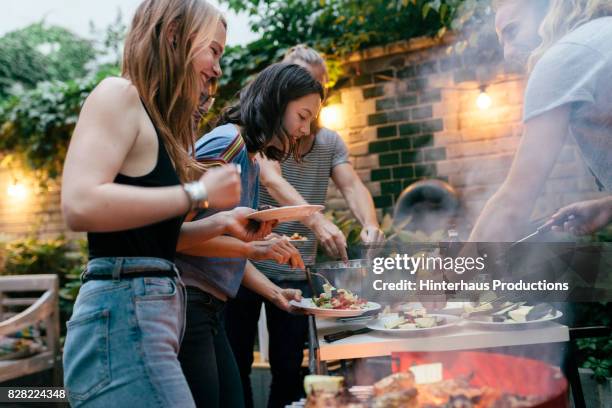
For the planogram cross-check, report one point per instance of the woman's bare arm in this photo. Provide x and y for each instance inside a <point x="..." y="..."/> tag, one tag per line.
<point x="106" y="132"/>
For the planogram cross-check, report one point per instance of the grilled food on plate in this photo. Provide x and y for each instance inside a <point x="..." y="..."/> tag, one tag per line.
<point x="333" y="298"/>
<point x="411" y="319"/>
<point x="517" y="312"/>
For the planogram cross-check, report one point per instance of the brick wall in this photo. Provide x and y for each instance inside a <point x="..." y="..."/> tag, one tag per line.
<point x="410" y="113"/>
<point x="37" y="213"/>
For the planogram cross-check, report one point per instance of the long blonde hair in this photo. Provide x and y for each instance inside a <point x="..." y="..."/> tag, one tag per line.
<point x="158" y="60"/>
<point x="564" y="16"/>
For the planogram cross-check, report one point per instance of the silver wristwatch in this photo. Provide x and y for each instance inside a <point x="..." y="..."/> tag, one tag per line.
<point x="198" y="196"/>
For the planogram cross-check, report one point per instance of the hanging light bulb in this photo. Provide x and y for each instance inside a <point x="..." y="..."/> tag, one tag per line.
<point x="483" y="101"/>
<point x="17" y="190"/>
<point x="331" y="117"/>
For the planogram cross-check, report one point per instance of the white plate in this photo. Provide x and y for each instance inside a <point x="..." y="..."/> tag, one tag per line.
<point x="474" y="322"/>
<point x="450" y="321"/>
<point x="308" y="305"/>
<point x="287" y="213"/>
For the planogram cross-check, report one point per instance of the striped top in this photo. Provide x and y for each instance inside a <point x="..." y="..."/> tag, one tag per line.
<point x="311" y="179"/>
<point x="222" y="145"/>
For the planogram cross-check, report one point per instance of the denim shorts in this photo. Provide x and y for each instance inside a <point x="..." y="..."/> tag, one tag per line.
<point x="123" y="338"/>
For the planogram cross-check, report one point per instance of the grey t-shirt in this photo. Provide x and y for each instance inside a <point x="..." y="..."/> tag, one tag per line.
<point x="577" y="70"/>
<point x="311" y="179"/>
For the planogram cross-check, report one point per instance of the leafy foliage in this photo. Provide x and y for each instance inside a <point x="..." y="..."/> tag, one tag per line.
<point x="36" y="125"/>
<point x="32" y="256"/>
<point x="45" y="75"/>
<point x="333" y="27"/>
<point x="38" y="53"/>
<point x="596" y="353"/>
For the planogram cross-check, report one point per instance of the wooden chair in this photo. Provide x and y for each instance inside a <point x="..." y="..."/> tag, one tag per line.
<point x="44" y="309"/>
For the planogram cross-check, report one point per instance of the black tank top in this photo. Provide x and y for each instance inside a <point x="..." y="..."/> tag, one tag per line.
<point x="156" y="240"/>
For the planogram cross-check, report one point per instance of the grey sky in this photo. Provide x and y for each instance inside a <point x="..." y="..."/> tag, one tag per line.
<point x="76" y="15"/>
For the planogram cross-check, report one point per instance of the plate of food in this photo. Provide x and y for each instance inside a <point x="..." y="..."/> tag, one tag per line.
<point x="515" y="315"/>
<point x="412" y="321"/>
<point x="287" y="213"/>
<point x="336" y="303"/>
<point x="454" y="308"/>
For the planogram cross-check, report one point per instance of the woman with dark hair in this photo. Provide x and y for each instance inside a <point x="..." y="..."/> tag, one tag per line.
<point x="272" y="114"/>
<point x="324" y="156"/>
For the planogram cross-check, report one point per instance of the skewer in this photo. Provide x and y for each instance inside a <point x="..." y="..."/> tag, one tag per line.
<point x="533" y="234"/>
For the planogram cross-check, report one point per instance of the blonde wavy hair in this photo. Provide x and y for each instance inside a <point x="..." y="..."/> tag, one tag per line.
<point x="564" y="16"/>
<point x="158" y="60"/>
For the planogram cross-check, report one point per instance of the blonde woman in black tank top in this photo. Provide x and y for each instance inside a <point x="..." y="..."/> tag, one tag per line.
<point x="129" y="180"/>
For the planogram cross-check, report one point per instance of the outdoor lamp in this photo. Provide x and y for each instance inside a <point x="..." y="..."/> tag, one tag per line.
<point x="484" y="101"/>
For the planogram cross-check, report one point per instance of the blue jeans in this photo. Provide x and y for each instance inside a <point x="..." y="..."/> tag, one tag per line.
<point x="123" y="338"/>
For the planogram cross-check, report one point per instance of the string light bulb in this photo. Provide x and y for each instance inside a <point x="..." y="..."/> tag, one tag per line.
<point x="331" y="117"/>
<point x="483" y="101"/>
<point x="17" y="190"/>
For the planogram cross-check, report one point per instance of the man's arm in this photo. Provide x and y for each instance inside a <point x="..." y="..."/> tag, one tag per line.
<point x="359" y="200"/>
<point x="284" y="193"/>
<point x="511" y="206"/>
